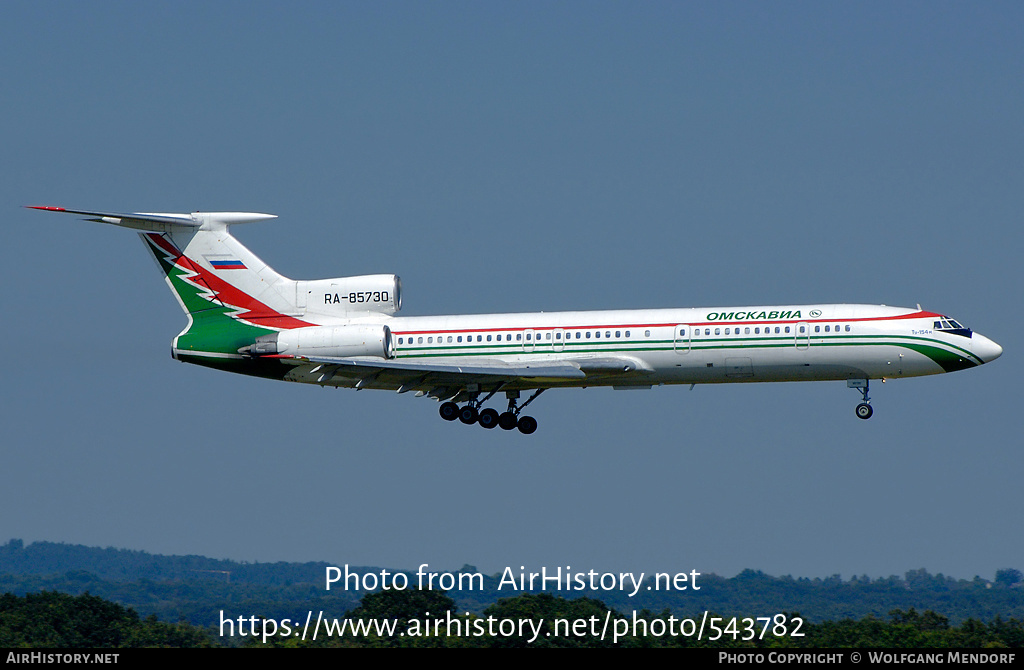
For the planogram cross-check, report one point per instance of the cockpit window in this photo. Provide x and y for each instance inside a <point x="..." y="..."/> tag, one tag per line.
<point x="948" y="325"/>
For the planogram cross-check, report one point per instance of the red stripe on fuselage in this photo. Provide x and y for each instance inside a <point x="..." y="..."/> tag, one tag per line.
<point x="912" y="315"/>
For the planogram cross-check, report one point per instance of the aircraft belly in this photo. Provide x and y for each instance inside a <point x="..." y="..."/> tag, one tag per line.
<point x="791" y="364"/>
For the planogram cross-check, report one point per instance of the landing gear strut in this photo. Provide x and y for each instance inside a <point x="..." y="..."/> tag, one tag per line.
<point x="511" y="419"/>
<point x="471" y="413"/>
<point x="864" y="410"/>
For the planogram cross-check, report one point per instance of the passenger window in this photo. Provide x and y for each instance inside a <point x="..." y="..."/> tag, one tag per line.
<point x="588" y="334"/>
<point x="607" y="333"/>
<point x="430" y="340"/>
<point x="519" y="337"/>
<point x="826" y="329"/>
<point x="627" y="333"/>
<point x="647" y="333"/>
<point x="488" y="338"/>
<point x="597" y="334"/>
<point x="817" y="329"/>
<point x="449" y="339"/>
<point x="726" y="331"/>
<point x="479" y="338"/>
<point x="419" y="340"/>
<point x="746" y="331"/>
<point x="547" y="336"/>
<point x="776" y="329"/>
<point x="787" y="329"/>
<point x="618" y="333"/>
<point x="847" y="329"/>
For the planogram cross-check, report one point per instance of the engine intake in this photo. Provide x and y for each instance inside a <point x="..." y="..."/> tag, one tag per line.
<point x="350" y="296"/>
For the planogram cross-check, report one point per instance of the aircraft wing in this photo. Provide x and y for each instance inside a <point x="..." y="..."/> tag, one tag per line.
<point x="467" y="367"/>
<point x="449" y="377"/>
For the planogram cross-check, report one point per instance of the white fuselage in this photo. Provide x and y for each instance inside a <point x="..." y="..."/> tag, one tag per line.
<point x="701" y="346"/>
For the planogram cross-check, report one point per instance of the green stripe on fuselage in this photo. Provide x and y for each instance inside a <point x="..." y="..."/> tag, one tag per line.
<point x="949" y="361"/>
<point x="212" y="329"/>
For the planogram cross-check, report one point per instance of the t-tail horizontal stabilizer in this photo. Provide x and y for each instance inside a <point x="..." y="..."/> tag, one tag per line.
<point x="165" y="223"/>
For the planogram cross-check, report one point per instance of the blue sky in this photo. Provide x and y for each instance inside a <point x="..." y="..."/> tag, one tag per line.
<point x="518" y="157"/>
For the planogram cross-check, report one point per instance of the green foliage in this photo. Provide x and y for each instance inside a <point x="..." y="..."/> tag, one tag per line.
<point x="918" y="607"/>
<point x="547" y="609"/>
<point x="57" y="620"/>
<point x="911" y="630"/>
<point x="61" y="621"/>
<point x="1009" y="577"/>
<point x="405" y="604"/>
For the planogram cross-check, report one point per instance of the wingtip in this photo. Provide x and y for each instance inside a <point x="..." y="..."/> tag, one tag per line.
<point x="45" y="208"/>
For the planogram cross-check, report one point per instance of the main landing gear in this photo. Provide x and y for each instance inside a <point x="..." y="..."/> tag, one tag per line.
<point x="864" y="410"/>
<point x="471" y="413"/>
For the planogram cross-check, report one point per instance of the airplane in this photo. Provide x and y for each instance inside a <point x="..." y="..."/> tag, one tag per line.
<point x="244" y="317"/>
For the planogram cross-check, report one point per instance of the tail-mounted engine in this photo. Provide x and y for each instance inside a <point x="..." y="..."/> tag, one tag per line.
<point x="330" y="341"/>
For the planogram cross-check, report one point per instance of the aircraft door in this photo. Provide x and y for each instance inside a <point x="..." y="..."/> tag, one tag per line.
<point x="558" y="343"/>
<point x="803" y="335"/>
<point x="681" y="338"/>
<point x="529" y="340"/>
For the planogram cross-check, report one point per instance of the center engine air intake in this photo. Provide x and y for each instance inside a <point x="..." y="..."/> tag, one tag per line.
<point x="330" y="341"/>
<point x="350" y="296"/>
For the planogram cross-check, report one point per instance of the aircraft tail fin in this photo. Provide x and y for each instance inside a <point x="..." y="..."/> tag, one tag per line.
<point x="229" y="294"/>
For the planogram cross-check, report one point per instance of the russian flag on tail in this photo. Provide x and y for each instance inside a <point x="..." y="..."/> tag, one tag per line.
<point x="222" y="264"/>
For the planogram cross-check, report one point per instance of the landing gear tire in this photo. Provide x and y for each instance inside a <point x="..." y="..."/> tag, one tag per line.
<point x="468" y="415"/>
<point x="449" y="411"/>
<point x="488" y="418"/>
<point x="864" y="411"/>
<point x="507" y="421"/>
<point x="527" y="424"/>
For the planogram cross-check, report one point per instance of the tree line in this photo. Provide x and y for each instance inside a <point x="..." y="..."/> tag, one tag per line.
<point x="58" y="620"/>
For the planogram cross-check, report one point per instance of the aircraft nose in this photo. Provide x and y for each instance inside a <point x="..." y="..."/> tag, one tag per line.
<point x="986" y="349"/>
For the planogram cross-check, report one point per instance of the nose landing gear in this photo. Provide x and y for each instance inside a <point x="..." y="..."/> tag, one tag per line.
<point x="864" y="410"/>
